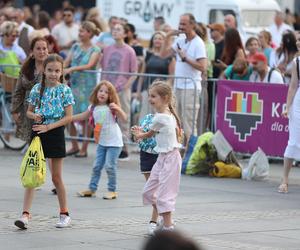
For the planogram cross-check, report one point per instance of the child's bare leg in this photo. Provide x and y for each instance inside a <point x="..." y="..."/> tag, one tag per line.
<point x="154" y="214"/>
<point x="28" y="197"/>
<point x="58" y="182"/>
<point x="167" y="216"/>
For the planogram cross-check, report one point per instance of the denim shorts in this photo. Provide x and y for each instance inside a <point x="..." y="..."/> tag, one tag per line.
<point x="147" y="161"/>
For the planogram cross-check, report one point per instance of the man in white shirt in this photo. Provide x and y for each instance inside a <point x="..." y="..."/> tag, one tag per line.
<point x="191" y="62"/>
<point x="66" y="32"/>
<point x="278" y="28"/>
<point x="262" y="72"/>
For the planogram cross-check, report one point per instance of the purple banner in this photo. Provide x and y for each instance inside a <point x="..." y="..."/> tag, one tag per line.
<point x="249" y="116"/>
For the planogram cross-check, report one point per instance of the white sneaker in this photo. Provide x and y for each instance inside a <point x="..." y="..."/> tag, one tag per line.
<point x="64" y="221"/>
<point x="169" y="229"/>
<point x="151" y="228"/>
<point x="22" y="223"/>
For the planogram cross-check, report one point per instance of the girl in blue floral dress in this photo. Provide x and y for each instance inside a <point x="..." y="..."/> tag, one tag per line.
<point x="82" y="56"/>
<point x="50" y="107"/>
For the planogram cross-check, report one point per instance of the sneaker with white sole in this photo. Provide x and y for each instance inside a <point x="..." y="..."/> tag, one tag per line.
<point x="22" y="223"/>
<point x="152" y="228"/>
<point x="86" y="193"/>
<point x="64" y="221"/>
<point x="110" y="196"/>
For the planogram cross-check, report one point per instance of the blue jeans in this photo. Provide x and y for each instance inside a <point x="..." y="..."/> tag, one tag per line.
<point x="105" y="157"/>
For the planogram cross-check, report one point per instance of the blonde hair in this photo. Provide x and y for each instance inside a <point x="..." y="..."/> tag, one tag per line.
<point x="8" y="27"/>
<point x="159" y="32"/>
<point x="164" y="90"/>
<point x="112" y="93"/>
<point x="91" y="27"/>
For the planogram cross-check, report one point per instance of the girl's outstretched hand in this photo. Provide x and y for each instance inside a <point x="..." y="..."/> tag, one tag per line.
<point x="43" y="128"/>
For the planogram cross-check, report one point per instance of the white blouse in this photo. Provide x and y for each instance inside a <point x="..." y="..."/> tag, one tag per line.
<point x="166" y="139"/>
<point x="110" y="135"/>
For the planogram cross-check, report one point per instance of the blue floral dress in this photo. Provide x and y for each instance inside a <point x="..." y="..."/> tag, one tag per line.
<point x="147" y="144"/>
<point x="82" y="83"/>
<point x="53" y="101"/>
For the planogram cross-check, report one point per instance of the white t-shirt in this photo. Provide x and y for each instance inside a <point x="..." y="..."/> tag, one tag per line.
<point x="110" y="135"/>
<point x="166" y="139"/>
<point x="194" y="49"/>
<point x="275" y="77"/>
<point x="277" y="33"/>
<point x="65" y="34"/>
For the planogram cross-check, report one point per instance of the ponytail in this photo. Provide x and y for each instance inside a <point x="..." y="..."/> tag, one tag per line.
<point x="179" y="131"/>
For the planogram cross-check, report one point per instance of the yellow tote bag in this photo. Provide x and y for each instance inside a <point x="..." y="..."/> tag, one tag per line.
<point x="33" y="167"/>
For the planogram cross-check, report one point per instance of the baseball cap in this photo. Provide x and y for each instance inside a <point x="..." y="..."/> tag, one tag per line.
<point x="259" y="57"/>
<point x="217" y="26"/>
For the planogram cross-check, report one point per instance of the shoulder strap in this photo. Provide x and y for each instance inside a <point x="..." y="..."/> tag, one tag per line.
<point x="270" y="74"/>
<point x="91" y="117"/>
<point x="297" y="62"/>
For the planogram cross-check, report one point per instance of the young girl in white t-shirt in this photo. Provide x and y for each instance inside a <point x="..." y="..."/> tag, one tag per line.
<point x="104" y="111"/>
<point x="162" y="186"/>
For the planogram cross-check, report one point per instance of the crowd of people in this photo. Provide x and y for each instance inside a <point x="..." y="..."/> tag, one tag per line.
<point x="49" y="48"/>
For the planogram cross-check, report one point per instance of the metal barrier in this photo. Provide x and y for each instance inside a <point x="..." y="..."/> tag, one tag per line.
<point x="143" y="78"/>
<point x="146" y="79"/>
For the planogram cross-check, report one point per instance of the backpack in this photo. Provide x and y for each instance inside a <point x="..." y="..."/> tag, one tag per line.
<point x="91" y="120"/>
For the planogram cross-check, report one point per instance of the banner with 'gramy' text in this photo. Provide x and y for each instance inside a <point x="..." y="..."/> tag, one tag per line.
<point x="249" y="116"/>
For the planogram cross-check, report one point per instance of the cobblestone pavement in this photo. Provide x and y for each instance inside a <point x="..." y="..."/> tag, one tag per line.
<point x="218" y="213"/>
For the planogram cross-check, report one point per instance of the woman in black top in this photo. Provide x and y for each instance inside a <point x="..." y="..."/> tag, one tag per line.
<point x="154" y="64"/>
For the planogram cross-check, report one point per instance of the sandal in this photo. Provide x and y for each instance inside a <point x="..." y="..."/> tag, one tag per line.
<point x="283" y="188"/>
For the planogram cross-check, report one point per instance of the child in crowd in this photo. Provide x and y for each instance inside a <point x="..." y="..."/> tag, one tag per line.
<point x="162" y="186"/>
<point x="50" y="106"/>
<point x="148" y="157"/>
<point x="252" y="47"/>
<point x="104" y="111"/>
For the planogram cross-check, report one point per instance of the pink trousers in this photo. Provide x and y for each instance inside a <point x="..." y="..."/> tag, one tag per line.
<point x="162" y="187"/>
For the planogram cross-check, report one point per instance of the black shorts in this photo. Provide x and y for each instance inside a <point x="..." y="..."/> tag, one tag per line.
<point x="147" y="161"/>
<point x="53" y="142"/>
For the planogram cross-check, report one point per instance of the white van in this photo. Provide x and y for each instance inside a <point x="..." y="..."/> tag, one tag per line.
<point x="252" y="15"/>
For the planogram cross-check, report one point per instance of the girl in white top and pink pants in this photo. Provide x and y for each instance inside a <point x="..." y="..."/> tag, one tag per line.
<point x="162" y="187"/>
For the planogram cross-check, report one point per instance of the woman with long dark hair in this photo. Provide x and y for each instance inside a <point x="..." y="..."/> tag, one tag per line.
<point x="233" y="49"/>
<point x="31" y="73"/>
<point x="283" y="57"/>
